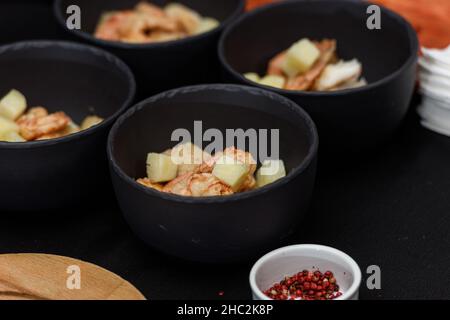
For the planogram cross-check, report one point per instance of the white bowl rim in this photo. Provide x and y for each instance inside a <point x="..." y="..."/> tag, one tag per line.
<point x="356" y="271"/>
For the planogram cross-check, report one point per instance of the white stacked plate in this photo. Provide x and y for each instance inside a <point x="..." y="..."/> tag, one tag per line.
<point x="434" y="75"/>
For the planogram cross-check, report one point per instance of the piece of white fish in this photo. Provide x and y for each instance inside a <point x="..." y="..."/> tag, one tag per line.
<point x="339" y="74"/>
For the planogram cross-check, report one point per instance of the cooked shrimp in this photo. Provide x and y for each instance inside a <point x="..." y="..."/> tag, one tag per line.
<point x="146" y="182"/>
<point x="36" y="127"/>
<point x="207" y="185"/>
<point x="337" y="74"/>
<point x="306" y="81"/>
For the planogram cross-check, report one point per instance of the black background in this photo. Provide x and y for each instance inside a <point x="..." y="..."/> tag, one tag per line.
<point x="390" y="208"/>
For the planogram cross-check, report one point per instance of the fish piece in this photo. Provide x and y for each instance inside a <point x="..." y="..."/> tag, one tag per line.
<point x="207" y="185"/>
<point x="50" y="136"/>
<point x="188" y="20"/>
<point x="249" y="184"/>
<point x="351" y="85"/>
<point x="179" y="185"/>
<point x="336" y="74"/>
<point x="111" y="25"/>
<point x="34" y="127"/>
<point x="275" y="65"/>
<point x="147" y="8"/>
<point x="146" y="182"/>
<point x="33" y="113"/>
<point x="305" y="81"/>
<point x="232" y="152"/>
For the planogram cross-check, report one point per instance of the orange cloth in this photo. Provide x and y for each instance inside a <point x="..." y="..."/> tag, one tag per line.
<point x="430" y="18"/>
<point x="251" y="4"/>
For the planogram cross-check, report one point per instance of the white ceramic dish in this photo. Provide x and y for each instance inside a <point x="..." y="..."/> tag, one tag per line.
<point x="287" y="261"/>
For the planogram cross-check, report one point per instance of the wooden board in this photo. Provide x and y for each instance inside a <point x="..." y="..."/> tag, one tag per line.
<point x="50" y="277"/>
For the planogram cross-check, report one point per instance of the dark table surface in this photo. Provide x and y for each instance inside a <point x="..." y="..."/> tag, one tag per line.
<point x="390" y="209"/>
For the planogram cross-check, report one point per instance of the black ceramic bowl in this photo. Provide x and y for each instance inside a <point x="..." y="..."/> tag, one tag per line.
<point x="160" y="66"/>
<point x="26" y="20"/>
<point x="217" y="229"/>
<point x="350" y="119"/>
<point x="76" y="79"/>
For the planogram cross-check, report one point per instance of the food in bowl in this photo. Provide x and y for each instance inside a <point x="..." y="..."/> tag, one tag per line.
<point x="187" y="170"/>
<point x="306" y="285"/>
<point x="147" y="23"/>
<point x="19" y="125"/>
<point x="311" y="66"/>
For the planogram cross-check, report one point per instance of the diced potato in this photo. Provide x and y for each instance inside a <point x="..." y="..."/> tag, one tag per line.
<point x="300" y="57"/>
<point x="207" y="24"/>
<point x="270" y="171"/>
<point x="12" y="136"/>
<point x="70" y="129"/>
<point x="253" y="77"/>
<point x="289" y="68"/>
<point x="13" y="105"/>
<point x="160" y="168"/>
<point x="7" y="126"/>
<point x="231" y="172"/>
<point x="273" y="81"/>
<point x="90" y="121"/>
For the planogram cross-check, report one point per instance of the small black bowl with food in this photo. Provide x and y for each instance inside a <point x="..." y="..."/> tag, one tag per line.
<point x="58" y="101"/>
<point x="356" y="81"/>
<point x="222" y="207"/>
<point x="167" y="44"/>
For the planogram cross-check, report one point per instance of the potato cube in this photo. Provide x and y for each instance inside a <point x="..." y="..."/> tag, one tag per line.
<point x="7" y="126"/>
<point x="273" y="81"/>
<point x="300" y="57"/>
<point x="231" y="172"/>
<point x="12" y="136"/>
<point x="252" y="77"/>
<point x="207" y="24"/>
<point x="160" y="168"/>
<point x="13" y="105"/>
<point x="270" y="171"/>
<point x="70" y="129"/>
<point x="90" y="121"/>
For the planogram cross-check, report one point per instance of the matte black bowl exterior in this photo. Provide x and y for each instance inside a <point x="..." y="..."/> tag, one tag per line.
<point x="76" y="79"/>
<point x="352" y="119"/>
<point x="26" y="20"/>
<point x="166" y="65"/>
<point x="218" y="229"/>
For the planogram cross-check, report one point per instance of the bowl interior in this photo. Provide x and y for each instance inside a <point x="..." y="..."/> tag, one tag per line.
<point x="93" y="9"/>
<point x="254" y="40"/>
<point x="150" y="127"/>
<point x="287" y="262"/>
<point x="66" y="77"/>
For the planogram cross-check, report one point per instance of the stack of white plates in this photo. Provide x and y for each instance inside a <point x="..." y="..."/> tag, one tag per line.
<point x="434" y="76"/>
